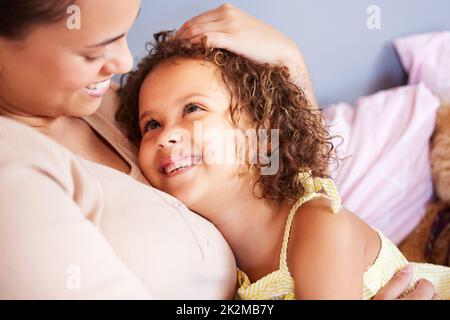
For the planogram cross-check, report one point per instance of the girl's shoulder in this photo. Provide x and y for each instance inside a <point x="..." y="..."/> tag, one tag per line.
<point x="327" y="252"/>
<point x="316" y="219"/>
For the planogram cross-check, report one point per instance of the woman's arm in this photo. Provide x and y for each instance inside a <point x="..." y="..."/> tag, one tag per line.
<point x="49" y="250"/>
<point x="229" y="28"/>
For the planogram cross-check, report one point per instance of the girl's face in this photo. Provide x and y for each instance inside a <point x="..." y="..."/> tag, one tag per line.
<point x="58" y="70"/>
<point x="186" y="125"/>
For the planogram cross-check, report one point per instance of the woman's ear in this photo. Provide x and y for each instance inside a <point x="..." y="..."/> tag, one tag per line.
<point x="5" y="46"/>
<point x="1" y="60"/>
<point x="2" y="50"/>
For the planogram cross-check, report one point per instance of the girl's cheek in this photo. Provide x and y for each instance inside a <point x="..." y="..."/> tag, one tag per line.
<point x="145" y="157"/>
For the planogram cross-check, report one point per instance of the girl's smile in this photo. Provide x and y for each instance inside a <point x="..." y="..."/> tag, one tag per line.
<point x="171" y="166"/>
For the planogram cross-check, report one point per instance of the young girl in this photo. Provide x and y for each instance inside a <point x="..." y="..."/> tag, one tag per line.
<point x="287" y="227"/>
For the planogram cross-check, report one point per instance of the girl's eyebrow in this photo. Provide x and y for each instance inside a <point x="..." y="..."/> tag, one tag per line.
<point x="179" y="101"/>
<point x="144" y="114"/>
<point x="191" y="96"/>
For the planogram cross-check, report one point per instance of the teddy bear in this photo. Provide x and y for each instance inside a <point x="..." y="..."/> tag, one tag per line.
<point x="430" y="241"/>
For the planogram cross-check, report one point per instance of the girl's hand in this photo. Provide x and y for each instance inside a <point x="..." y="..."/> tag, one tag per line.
<point x="394" y="289"/>
<point x="229" y="28"/>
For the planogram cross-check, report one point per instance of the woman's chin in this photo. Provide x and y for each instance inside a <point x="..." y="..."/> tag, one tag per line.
<point x="82" y="105"/>
<point x="82" y="109"/>
<point x="91" y="106"/>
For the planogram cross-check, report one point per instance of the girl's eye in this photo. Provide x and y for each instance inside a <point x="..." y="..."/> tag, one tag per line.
<point x="151" y="125"/>
<point x="191" y="108"/>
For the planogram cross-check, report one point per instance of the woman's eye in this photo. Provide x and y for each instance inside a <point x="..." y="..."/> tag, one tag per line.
<point x="192" y="108"/>
<point x="151" y="125"/>
<point x="92" y="59"/>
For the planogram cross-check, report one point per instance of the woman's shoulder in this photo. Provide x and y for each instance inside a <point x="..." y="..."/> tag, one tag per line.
<point x="19" y="141"/>
<point x="23" y="147"/>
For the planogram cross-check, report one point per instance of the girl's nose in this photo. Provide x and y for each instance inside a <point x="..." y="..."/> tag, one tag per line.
<point x="171" y="138"/>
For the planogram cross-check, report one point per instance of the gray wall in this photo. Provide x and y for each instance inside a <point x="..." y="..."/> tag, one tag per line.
<point x="345" y="58"/>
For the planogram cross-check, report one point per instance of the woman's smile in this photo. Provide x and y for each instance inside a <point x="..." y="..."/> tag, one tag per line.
<point x="97" y="90"/>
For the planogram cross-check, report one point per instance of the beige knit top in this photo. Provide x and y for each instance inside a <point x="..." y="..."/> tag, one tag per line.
<point x="71" y="228"/>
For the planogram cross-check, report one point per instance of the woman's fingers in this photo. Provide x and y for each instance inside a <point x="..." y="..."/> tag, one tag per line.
<point x="223" y="14"/>
<point x="423" y="291"/>
<point x="229" y="28"/>
<point x="202" y="29"/>
<point x="398" y="284"/>
<point x="218" y="40"/>
<point x="190" y="28"/>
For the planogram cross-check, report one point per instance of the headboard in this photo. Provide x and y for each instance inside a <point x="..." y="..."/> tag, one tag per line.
<point x="346" y="58"/>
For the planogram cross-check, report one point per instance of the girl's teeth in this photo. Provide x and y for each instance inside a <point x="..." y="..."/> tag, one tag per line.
<point x="173" y="167"/>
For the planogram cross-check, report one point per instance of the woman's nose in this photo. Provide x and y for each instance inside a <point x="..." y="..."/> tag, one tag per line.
<point x="121" y="60"/>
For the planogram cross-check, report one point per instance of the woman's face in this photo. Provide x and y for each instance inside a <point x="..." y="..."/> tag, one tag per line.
<point x="185" y="121"/>
<point x="56" y="71"/>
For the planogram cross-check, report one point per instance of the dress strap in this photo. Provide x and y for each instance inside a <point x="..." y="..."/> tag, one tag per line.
<point x="316" y="184"/>
<point x="312" y="187"/>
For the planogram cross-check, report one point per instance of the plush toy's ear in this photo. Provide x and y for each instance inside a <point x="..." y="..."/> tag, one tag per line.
<point x="440" y="154"/>
<point x="414" y="246"/>
<point x="438" y="246"/>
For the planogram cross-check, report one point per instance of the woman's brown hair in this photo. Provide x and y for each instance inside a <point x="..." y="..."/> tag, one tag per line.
<point x="18" y="16"/>
<point x="262" y="92"/>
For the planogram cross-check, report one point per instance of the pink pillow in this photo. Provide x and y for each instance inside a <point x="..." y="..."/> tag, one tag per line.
<point x="426" y="58"/>
<point x="387" y="179"/>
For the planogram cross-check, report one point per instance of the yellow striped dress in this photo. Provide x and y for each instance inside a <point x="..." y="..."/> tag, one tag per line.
<point x="279" y="285"/>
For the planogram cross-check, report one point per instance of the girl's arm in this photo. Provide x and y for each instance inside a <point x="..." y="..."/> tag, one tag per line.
<point x="326" y="255"/>
<point x="229" y="28"/>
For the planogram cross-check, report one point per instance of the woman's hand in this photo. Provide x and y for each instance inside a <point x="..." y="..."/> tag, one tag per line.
<point x="394" y="289"/>
<point x="229" y="28"/>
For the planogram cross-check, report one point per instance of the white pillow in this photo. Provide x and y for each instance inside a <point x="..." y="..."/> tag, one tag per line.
<point x="426" y="58"/>
<point x="387" y="179"/>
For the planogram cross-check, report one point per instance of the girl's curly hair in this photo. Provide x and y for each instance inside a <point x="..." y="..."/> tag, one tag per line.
<point x="262" y="92"/>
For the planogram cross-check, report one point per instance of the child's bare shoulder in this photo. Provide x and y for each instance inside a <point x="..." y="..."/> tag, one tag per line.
<point x="324" y="246"/>
<point x="317" y="213"/>
<point x="316" y="216"/>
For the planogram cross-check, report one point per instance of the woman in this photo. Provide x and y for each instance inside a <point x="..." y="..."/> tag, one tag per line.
<point x="77" y="218"/>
